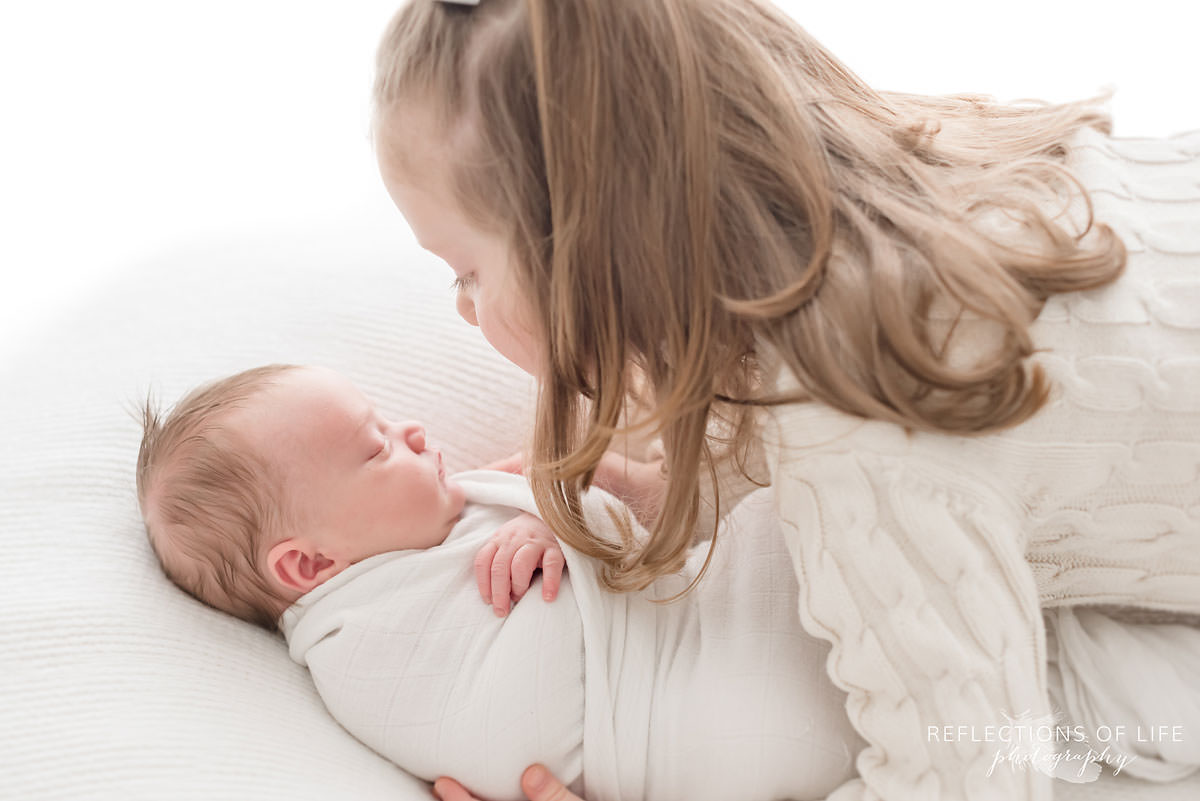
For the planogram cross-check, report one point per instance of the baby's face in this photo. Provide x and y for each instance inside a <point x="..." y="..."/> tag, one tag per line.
<point x="358" y="484"/>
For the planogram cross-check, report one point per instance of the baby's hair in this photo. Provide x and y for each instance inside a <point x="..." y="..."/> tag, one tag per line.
<point x="208" y="500"/>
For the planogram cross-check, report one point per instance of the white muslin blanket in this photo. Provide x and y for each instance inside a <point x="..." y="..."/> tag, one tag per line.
<point x="720" y="695"/>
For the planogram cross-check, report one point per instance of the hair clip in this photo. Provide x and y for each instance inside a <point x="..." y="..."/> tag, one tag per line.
<point x="462" y="2"/>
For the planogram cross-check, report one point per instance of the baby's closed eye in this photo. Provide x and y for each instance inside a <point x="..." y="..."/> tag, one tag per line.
<point x="382" y="449"/>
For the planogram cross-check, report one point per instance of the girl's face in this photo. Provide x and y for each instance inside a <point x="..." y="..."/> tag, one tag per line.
<point x="488" y="291"/>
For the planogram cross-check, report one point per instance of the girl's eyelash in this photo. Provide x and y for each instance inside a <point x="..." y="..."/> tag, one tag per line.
<point x="462" y="282"/>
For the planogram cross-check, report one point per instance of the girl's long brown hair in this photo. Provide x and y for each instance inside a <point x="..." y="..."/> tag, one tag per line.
<point x="699" y="190"/>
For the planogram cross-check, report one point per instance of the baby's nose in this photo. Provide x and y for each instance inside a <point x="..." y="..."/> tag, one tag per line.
<point x="414" y="435"/>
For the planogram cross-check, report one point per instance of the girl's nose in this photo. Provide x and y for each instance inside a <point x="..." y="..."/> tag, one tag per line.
<point x="414" y="436"/>
<point x="466" y="309"/>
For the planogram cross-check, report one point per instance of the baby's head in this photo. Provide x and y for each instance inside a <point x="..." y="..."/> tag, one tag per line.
<point x="259" y="487"/>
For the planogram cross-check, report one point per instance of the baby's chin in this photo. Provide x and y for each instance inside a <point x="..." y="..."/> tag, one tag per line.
<point x="457" y="496"/>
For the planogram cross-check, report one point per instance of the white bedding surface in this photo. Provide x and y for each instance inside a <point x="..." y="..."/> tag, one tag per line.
<point x="113" y="683"/>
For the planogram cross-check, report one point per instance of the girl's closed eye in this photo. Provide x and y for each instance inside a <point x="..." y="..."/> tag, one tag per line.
<point x="463" y="282"/>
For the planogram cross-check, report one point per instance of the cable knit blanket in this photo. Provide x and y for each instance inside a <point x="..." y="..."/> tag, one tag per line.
<point x="718" y="696"/>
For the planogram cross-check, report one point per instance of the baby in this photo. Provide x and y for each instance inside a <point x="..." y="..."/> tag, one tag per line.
<point x="280" y="495"/>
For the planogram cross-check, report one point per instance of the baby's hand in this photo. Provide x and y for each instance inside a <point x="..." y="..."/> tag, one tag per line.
<point x="504" y="567"/>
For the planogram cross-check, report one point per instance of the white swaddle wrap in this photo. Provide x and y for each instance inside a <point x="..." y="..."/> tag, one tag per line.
<point x="720" y="695"/>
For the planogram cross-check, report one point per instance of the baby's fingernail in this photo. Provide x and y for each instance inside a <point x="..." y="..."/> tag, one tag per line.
<point x="500" y="613"/>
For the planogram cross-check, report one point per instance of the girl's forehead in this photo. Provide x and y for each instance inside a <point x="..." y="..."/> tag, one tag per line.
<point x="413" y="143"/>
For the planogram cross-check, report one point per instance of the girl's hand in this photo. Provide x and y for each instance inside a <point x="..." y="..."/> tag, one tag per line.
<point x="639" y="485"/>
<point x="536" y="783"/>
<point x="509" y="464"/>
<point x="504" y="567"/>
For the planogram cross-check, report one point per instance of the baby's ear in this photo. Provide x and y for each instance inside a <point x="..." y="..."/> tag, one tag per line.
<point x="297" y="566"/>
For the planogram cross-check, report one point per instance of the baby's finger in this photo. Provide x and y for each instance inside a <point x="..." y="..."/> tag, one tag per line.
<point x="523" y="564"/>
<point x="553" y="562"/>
<point x="483" y="570"/>
<point x="501" y="565"/>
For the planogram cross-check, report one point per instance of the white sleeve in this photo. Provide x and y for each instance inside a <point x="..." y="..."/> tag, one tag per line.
<point x="919" y="583"/>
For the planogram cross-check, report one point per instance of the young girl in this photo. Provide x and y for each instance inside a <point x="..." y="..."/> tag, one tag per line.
<point x="965" y="336"/>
